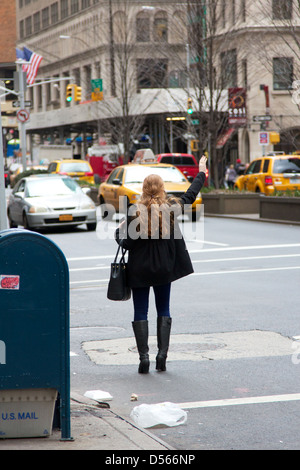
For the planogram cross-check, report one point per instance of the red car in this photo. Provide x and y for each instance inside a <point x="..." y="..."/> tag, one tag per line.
<point x="185" y="162"/>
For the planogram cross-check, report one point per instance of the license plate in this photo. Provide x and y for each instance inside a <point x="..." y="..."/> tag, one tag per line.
<point x="65" y="218"/>
<point x="294" y="180"/>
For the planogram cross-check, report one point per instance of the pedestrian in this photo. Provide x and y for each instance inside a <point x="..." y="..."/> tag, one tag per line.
<point x="230" y="176"/>
<point x="239" y="167"/>
<point x="157" y="256"/>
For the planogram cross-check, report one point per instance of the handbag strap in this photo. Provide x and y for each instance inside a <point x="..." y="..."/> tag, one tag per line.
<point x="123" y="253"/>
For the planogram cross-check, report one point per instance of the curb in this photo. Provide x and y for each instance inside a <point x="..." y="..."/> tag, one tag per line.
<point x="255" y="218"/>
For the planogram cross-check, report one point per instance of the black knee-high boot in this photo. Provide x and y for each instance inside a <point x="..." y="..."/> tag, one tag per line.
<point x="163" y="339"/>
<point x="140" y="329"/>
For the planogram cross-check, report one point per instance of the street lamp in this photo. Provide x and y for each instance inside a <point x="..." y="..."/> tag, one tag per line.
<point x="64" y="36"/>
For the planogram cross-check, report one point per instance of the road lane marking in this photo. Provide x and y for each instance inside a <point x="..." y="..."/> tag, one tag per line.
<point x="240" y="401"/>
<point x="210" y="260"/>
<point x="244" y="258"/>
<point x="207" y="250"/>
<point x="209" y="273"/>
<point x="251" y="247"/>
<point x="238" y="271"/>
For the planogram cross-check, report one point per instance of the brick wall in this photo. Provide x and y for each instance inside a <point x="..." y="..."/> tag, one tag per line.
<point x="7" y="31"/>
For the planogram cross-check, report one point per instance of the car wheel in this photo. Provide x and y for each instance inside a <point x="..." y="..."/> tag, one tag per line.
<point x="92" y="226"/>
<point x="25" y="222"/>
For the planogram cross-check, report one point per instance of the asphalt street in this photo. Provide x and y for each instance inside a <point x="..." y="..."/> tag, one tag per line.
<point x="234" y="356"/>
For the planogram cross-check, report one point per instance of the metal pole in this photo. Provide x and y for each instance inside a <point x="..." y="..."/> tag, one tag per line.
<point x="3" y="216"/>
<point x="188" y="89"/>
<point x="22" y="124"/>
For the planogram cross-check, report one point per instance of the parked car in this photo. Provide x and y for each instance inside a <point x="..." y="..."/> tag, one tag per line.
<point x="40" y="201"/>
<point x="271" y="173"/>
<point x="77" y="169"/>
<point x="127" y="181"/>
<point x="185" y="162"/>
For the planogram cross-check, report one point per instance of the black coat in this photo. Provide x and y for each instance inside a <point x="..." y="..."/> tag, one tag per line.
<point x="160" y="261"/>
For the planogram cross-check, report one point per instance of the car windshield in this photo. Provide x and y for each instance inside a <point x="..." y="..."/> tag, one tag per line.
<point x="52" y="187"/>
<point x="74" y="167"/>
<point x="168" y="174"/>
<point x="287" y="165"/>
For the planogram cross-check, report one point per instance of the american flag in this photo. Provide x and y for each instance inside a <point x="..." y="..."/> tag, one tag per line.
<point x="31" y="69"/>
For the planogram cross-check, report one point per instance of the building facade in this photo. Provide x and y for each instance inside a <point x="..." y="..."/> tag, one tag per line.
<point x="262" y="39"/>
<point x="133" y="48"/>
<point x="7" y="68"/>
<point x="255" y="49"/>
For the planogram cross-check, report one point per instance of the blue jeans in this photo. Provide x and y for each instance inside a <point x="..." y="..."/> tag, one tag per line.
<point x="140" y="297"/>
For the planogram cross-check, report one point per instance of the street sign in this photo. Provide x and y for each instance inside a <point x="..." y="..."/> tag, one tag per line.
<point x="262" y="118"/>
<point x="16" y="104"/>
<point x="97" y="89"/>
<point x="23" y="115"/>
<point x="263" y="138"/>
<point x="195" y="122"/>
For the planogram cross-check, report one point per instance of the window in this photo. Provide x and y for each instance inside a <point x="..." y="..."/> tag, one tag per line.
<point x="85" y="4"/>
<point x="160" y="26"/>
<point x="142" y="28"/>
<point x="266" y="166"/>
<point x="152" y="73"/>
<point x="282" y="73"/>
<point x="243" y="10"/>
<point x="45" y="17"/>
<point x="229" y="69"/>
<point x="112" y="176"/>
<point x="282" y="10"/>
<point x="22" y="29"/>
<point x="36" y="22"/>
<point x="74" y="6"/>
<point x="288" y="165"/>
<point x="54" y="13"/>
<point x="245" y="73"/>
<point x="254" y="167"/>
<point x="28" y="26"/>
<point x="64" y="11"/>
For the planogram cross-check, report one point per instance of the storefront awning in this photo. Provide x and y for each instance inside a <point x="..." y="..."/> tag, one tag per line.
<point x="224" y="137"/>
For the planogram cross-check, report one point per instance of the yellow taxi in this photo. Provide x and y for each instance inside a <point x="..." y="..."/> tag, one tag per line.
<point x="269" y="174"/>
<point x="127" y="181"/>
<point x="77" y="169"/>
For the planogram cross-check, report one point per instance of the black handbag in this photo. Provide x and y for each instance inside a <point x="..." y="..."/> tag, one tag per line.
<point x="117" y="286"/>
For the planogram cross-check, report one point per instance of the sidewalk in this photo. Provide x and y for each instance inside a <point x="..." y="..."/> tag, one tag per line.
<point x="92" y="428"/>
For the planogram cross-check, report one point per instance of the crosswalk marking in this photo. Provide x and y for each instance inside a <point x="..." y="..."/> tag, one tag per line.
<point x="240" y="401"/>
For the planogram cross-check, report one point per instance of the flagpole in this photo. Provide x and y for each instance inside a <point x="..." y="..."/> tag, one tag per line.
<point x="3" y="217"/>
<point x="22" y="124"/>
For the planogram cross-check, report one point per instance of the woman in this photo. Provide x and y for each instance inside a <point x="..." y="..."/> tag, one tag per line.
<point x="157" y="256"/>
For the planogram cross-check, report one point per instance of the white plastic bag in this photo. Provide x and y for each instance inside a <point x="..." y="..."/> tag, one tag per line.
<point x="159" y="414"/>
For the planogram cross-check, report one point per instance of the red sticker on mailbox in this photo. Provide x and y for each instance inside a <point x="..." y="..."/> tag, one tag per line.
<point x="9" y="282"/>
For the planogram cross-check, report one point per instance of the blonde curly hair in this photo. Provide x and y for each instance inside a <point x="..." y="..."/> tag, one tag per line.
<point x="154" y="209"/>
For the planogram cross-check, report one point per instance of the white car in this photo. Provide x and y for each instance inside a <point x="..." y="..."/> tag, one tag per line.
<point x="40" y="201"/>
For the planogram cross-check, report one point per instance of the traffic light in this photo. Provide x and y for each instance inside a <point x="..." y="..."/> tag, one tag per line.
<point x="194" y="145"/>
<point x="69" y="93"/>
<point x="77" y="93"/>
<point x="190" y="106"/>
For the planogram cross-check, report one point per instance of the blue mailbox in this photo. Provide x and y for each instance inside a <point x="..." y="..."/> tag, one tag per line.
<point x="34" y="321"/>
